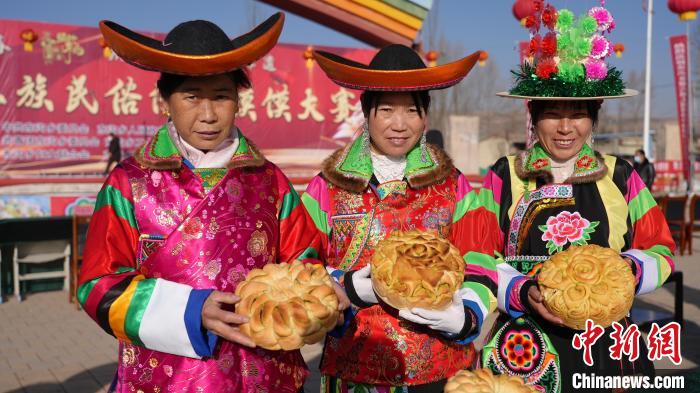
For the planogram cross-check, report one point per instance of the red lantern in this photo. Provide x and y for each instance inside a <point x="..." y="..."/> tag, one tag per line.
<point x="309" y="56"/>
<point x="619" y="48"/>
<point x="686" y="9"/>
<point x="483" y="56"/>
<point x="432" y="58"/>
<point x="29" y="36"/>
<point x="522" y="9"/>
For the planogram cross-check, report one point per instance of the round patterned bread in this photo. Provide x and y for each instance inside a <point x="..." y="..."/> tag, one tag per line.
<point x="289" y="305"/>
<point x="587" y="282"/>
<point x="482" y="380"/>
<point x="416" y="269"/>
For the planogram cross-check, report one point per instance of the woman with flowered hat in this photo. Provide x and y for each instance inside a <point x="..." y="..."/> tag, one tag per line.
<point x="179" y="225"/>
<point x="389" y="179"/>
<point x="560" y="192"/>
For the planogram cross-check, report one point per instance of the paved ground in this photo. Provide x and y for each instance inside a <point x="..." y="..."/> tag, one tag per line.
<point x="46" y="345"/>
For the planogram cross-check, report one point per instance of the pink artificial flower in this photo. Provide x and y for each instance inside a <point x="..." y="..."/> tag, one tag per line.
<point x="602" y="16"/>
<point x="600" y="47"/>
<point x="596" y="69"/>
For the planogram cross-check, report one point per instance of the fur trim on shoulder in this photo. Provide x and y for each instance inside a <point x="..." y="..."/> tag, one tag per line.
<point x="252" y="158"/>
<point x="347" y="182"/>
<point x="156" y="163"/>
<point x="444" y="167"/>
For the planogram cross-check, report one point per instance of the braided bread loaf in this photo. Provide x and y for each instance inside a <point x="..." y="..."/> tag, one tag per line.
<point x="289" y="305"/>
<point x="416" y="269"/>
<point x="587" y="282"/>
<point x="483" y="381"/>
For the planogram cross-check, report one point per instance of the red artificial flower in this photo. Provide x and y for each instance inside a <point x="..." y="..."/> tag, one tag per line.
<point x="549" y="16"/>
<point x="530" y="21"/>
<point x="546" y="67"/>
<point x="538" y="5"/>
<point x="535" y="44"/>
<point x="548" y="46"/>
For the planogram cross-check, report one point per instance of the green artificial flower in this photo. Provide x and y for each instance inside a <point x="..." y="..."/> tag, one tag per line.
<point x="564" y="44"/>
<point x="565" y="19"/>
<point x="581" y="47"/>
<point x="588" y="25"/>
<point x="570" y="71"/>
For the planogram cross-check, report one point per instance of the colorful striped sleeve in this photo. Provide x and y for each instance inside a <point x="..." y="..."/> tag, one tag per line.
<point x="506" y="282"/>
<point x="316" y="202"/>
<point x="299" y="239"/>
<point x="153" y="313"/>
<point x="475" y="233"/>
<point x="652" y="245"/>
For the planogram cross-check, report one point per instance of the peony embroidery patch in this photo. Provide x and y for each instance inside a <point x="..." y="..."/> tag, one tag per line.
<point x="567" y="227"/>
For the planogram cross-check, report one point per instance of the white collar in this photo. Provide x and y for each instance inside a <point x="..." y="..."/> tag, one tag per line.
<point x="218" y="157"/>
<point x="387" y="168"/>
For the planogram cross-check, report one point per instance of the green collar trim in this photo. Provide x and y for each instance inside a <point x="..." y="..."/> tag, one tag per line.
<point x="536" y="160"/>
<point x="357" y="163"/>
<point x="160" y="152"/>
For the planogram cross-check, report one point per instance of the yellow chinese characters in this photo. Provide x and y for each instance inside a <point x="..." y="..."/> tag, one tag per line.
<point x="309" y="104"/>
<point x="33" y="93"/>
<point x="77" y="95"/>
<point x="124" y="100"/>
<point x="277" y="103"/>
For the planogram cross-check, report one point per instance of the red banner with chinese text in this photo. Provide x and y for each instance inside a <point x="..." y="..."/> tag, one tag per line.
<point x="679" y="57"/>
<point x="62" y="94"/>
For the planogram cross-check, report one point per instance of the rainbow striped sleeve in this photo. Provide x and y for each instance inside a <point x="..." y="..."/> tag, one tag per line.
<point x="298" y="238"/>
<point x="506" y="281"/>
<point x="652" y="245"/>
<point x="153" y="313"/>
<point x="316" y="201"/>
<point x="475" y="233"/>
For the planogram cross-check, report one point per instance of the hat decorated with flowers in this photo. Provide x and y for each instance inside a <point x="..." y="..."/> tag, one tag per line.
<point x="567" y="57"/>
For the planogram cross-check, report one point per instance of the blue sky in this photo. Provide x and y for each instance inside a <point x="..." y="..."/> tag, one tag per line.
<point x="475" y="24"/>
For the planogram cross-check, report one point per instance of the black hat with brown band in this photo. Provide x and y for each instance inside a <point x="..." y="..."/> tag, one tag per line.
<point x="394" y="68"/>
<point x="194" y="48"/>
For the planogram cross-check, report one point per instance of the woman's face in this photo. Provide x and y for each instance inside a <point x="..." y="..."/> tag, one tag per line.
<point x="203" y="110"/>
<point x="563" y="128"/>
<point x="395" y="124"/>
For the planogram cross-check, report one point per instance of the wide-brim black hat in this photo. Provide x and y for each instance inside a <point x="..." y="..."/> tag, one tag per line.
<point x="194" y="48"/>
<point x="394" y="68"/>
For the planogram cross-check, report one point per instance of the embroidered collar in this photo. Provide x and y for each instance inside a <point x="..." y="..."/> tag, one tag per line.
<point x="535" y="162"/>
<point x="351" y="167"/>
<point x="160" y="152"/>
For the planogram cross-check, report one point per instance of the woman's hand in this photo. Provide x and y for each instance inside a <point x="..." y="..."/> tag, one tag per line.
<point x="223" y="323"/>
<point x="536" y="305"/>
<point x="343" y="301"/>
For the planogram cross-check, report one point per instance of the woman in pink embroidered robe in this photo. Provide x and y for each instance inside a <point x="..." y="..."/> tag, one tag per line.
<point x="180" y="224"/>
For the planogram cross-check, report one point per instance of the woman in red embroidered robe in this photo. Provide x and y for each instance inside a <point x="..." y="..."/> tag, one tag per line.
<point x="390" y="179"/>
<point x="179" y="225"/>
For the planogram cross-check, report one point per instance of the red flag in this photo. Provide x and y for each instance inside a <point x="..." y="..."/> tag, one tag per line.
<point x="679" y="56"/>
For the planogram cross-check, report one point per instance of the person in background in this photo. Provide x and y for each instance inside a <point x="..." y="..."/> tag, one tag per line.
<point x="644" y="168"/>
<point x="115" y="152"/>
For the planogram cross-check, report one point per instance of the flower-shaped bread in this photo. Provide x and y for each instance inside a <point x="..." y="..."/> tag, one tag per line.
<point x="416" y="269"/>
<point x="289" y="305"/>
<point x="482" y="380"/>
<point x="587" y="282"/>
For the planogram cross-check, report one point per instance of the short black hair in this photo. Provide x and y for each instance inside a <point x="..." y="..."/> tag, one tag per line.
<point x="537" y="107"/>
<point x="370" y="100"/>
<point x="641" y="151"/>
<point x="168" y="83"/>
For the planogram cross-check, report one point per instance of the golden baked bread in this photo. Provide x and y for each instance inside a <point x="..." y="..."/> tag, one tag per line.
<point x="416" y="269"/>
<point x="587" y="282"/>
<point x="482" y="380"/>
<point x="289" y="305"/>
